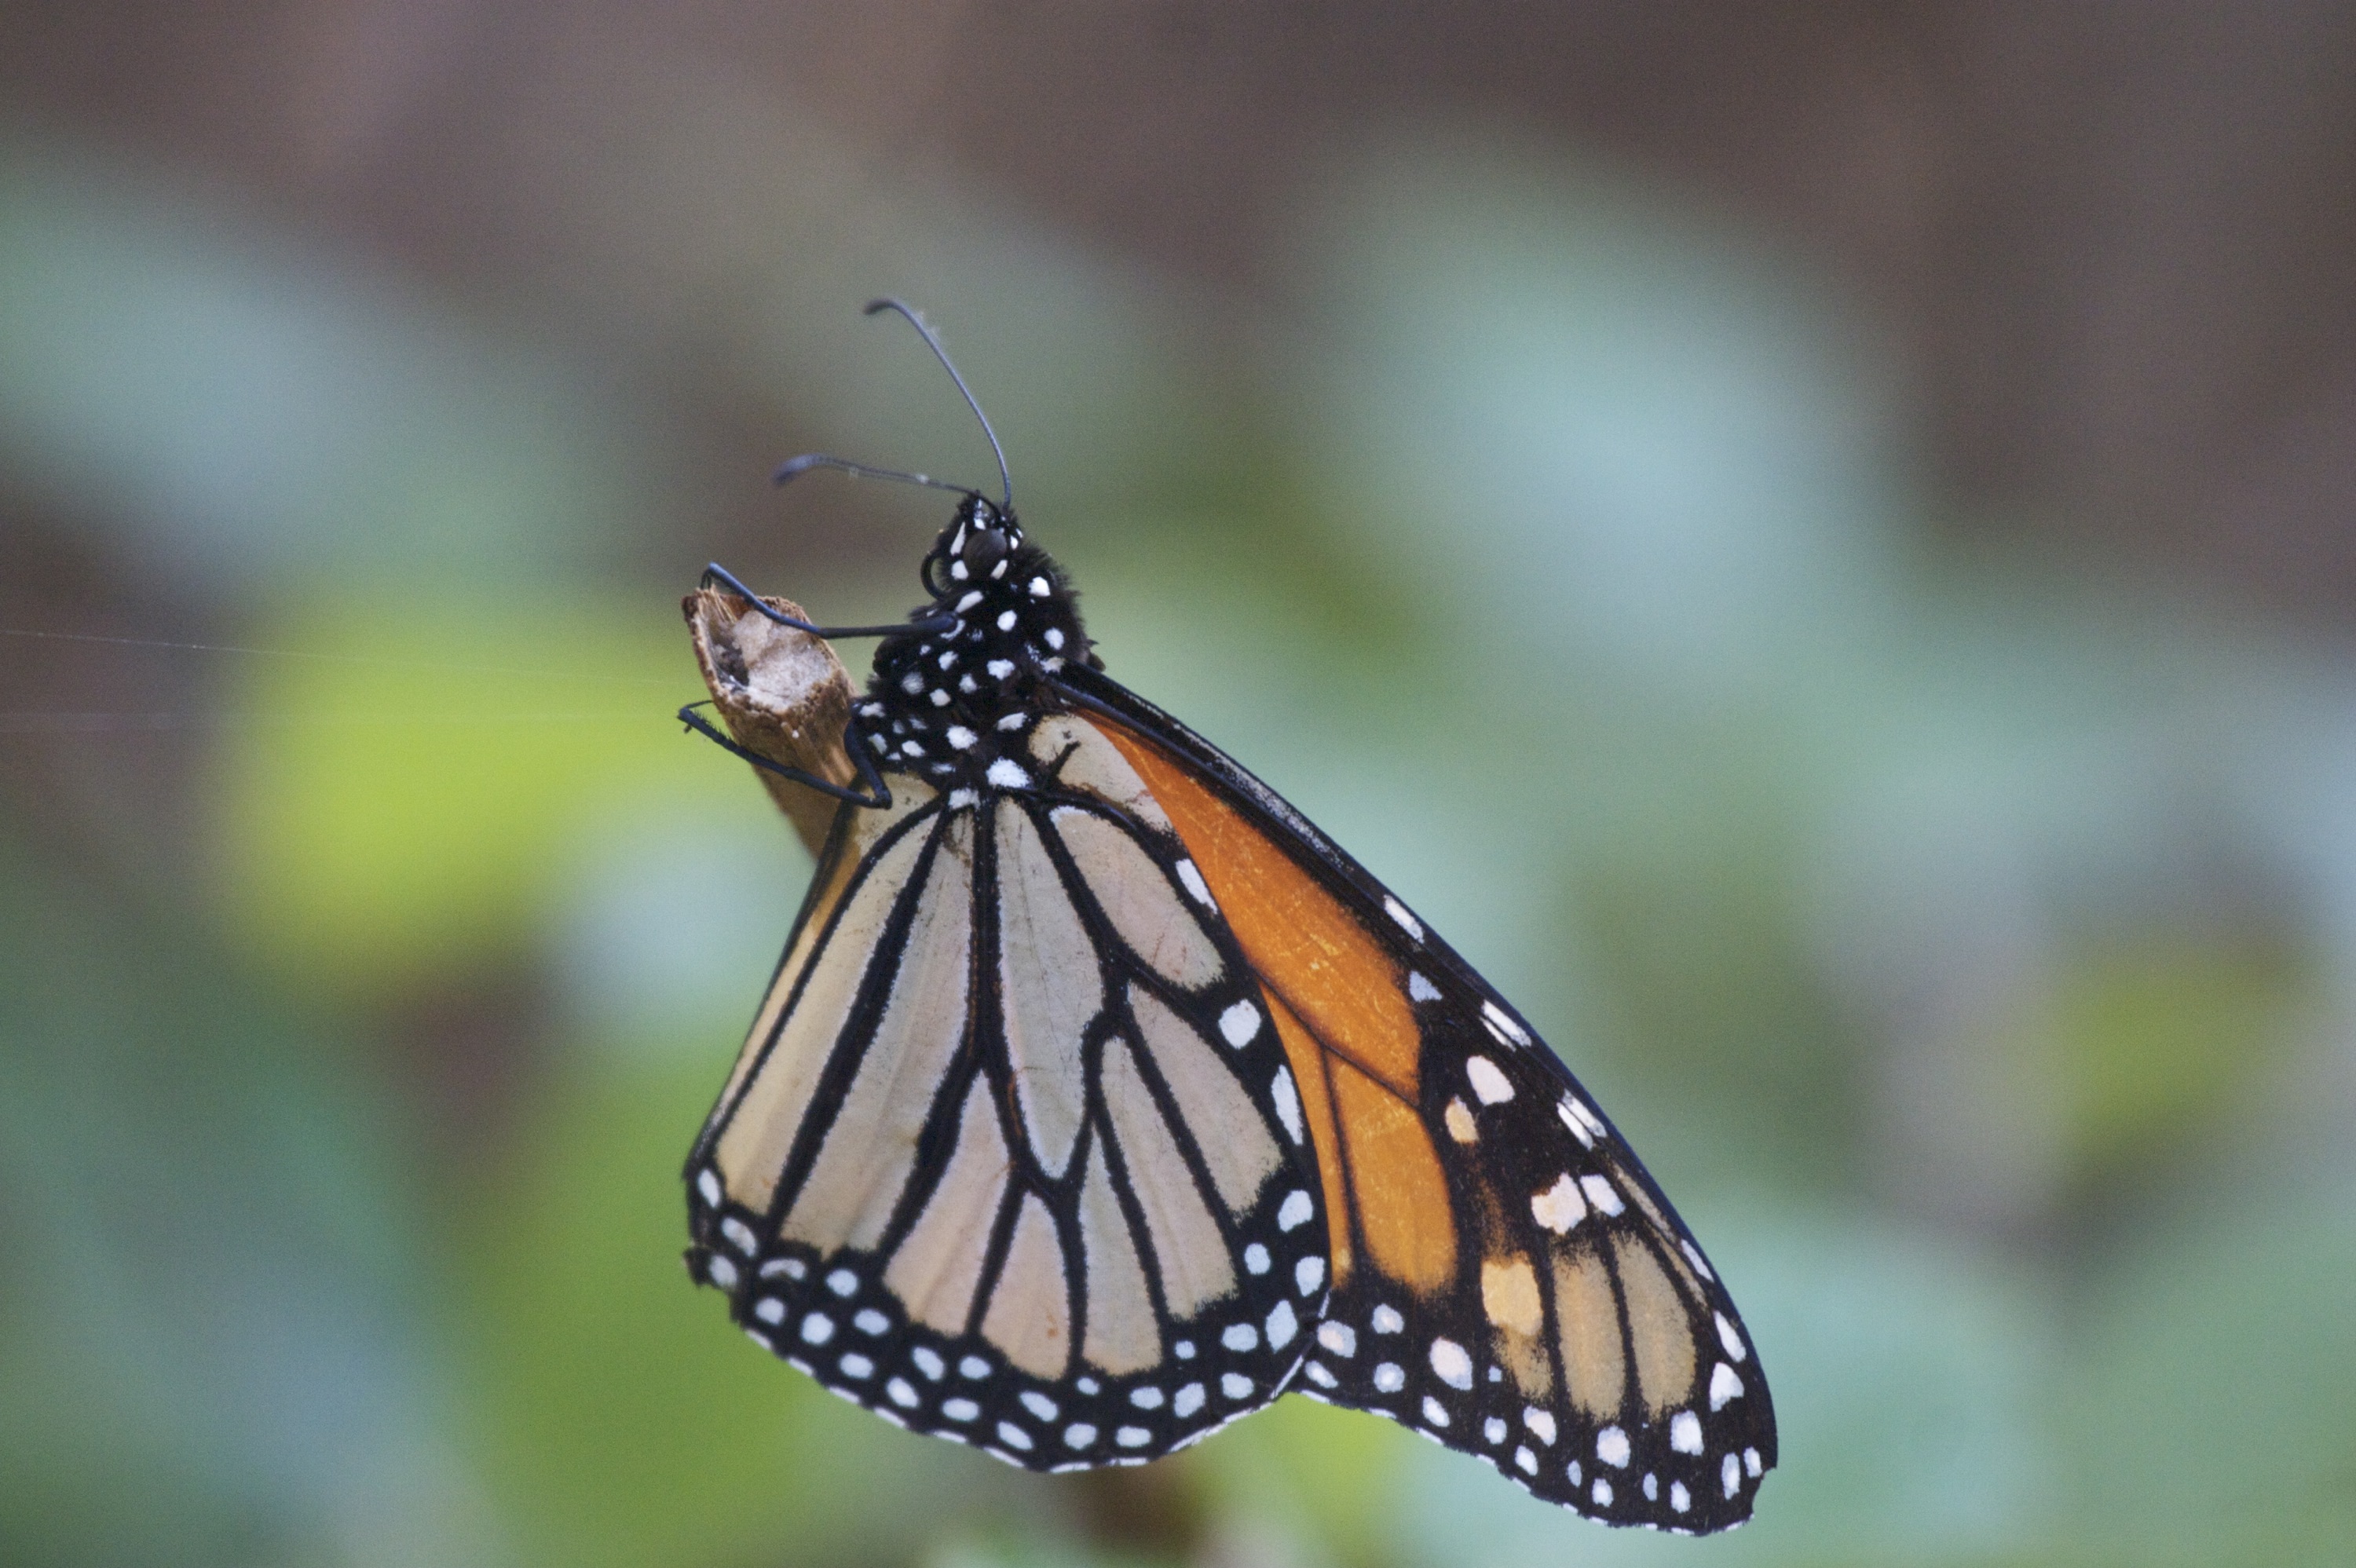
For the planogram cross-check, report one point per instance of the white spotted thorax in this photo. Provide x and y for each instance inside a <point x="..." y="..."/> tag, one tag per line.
<point x="955" y="708"/>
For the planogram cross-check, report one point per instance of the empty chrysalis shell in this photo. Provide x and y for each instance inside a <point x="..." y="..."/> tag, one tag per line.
<point x="782" y="694"/>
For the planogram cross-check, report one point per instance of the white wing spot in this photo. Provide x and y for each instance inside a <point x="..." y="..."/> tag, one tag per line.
<point x="1235" y="1385"/>
<point x="928" y="1362"/>
<point x="1196" y="888"/>
<point x="1603" y="1493"/>
<point x="1526" y="1462"/>
<point x="961" y="798"/>
<point x="1407" y="922"/>
<point x="1240" y="1337"/>
<point x="1487" y="1081"/>
<point x="843" y="1282"/>
<point x="1451" y="1364"/>
<point x="817" y="1329"/>
<point x="1685" y="1432"/>
<point x="1601" y="1193"/>
<point x="1723" y="1386"/>
<point x="1190" y="1400"/>
<point x="1132" y="1436"/>
<point x="1319" y="1375"/>
<point x="1652" y="1486"/>
<point x="855" y="1365"/>
<point x="1420" y="989"/>
<point x="960" y="738"/>
<point x="720" y="1272"/>
<point x="1559" y="1207"/>
<point x="1680" y="1500"/>
<point x="973" y="1366"/>
<point x="871" y="1322"/>
<point x="1571" y="1471"/>
<point x="903" y="1392"/>
<point x="1389" y="1377"/>
<point x="1007" y="773"/>
<point x="1494" y="1429"/>
<point x="1308" y="1275"/>
<point x="769" y="1309"/>
<point x="1039" y="1404"/>
<point x="1433" y="1414"/>
<point x="1146" y="1398"/>
<point x="1282" y="1326"/>
<point x="1540" y="1423"/>
<point x="1183" y="1349"/>
<point x="1240" y="1024"/>
<point x="960" y="1409"/>
<point x="1256" y="1258"/>
<point x="1085" y="1385"/>
<point x="1503" y="1023"/>
<point x="1294" y="1212"/>
<point x="1729" y="1474"/>
<point x="1288" y="1103"/>
<point x="1578" y="1129"/>
<point x="792" y="1268"/>
<point x="1387" y="1320"/>
<point x="1338" y="1337"/>
<point x="1693" y="1256"/>
<point x="1729" y="1338"/>
<point x="709" y="1185"/>
<point x="1079" y="1435"/>
<point x="1611" y="1447"/>
<point x="1751" y="1462"/>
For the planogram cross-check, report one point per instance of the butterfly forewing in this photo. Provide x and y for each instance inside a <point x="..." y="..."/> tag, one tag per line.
<point x="1013" y="1153"/>
<point x="1507" y="1278"/>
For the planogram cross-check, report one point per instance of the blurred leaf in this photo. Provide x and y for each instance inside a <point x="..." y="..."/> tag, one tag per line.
<point x="208" y="1284"/>
<point x="2156" y="1038"/>
<point x="400" y="795"/>
<point x="1316" y="1474"/>
<point x="2216" y="1371"/>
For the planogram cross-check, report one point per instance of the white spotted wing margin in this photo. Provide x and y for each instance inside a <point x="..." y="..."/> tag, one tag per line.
<point x="1582" y="1344"/>
<point x="1000" y="1160"/>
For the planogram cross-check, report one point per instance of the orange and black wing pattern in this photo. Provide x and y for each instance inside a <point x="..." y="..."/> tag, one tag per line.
<point x="1506" y="1277"/>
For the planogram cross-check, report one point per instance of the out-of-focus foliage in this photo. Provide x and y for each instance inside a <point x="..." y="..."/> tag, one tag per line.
<point x="1966" y="946"/>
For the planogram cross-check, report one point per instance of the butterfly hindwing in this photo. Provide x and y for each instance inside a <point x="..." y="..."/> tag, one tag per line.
<point x="1507" y="1278"/>
<point x="1008" y="1155"/>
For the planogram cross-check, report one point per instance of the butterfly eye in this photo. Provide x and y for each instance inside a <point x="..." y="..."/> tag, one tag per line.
<point x="985" y="547"/>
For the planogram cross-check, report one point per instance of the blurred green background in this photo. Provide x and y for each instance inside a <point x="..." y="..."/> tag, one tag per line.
<point x="1811" y="540"/>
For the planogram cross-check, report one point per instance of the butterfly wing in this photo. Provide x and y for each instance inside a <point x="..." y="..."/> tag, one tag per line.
<point x="1011" y="1154"/>
<point x="1507" y="1278"/>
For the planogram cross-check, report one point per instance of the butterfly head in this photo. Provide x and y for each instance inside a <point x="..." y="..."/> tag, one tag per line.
<point x="953" y="699"/>
<point x="976" y="547"/>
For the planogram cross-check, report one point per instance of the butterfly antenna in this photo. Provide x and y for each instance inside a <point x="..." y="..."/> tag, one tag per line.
<point x="793" y="468"/>
<point x="1005" y="484"/>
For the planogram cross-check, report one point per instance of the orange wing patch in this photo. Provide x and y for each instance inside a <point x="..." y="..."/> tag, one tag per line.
<point x="1328" y="982"/>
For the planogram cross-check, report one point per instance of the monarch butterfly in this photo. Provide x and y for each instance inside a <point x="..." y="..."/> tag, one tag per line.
<point x="1098" y="1098"/>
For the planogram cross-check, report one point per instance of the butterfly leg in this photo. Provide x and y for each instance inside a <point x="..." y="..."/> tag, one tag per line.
<point x="878" y="796"/>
